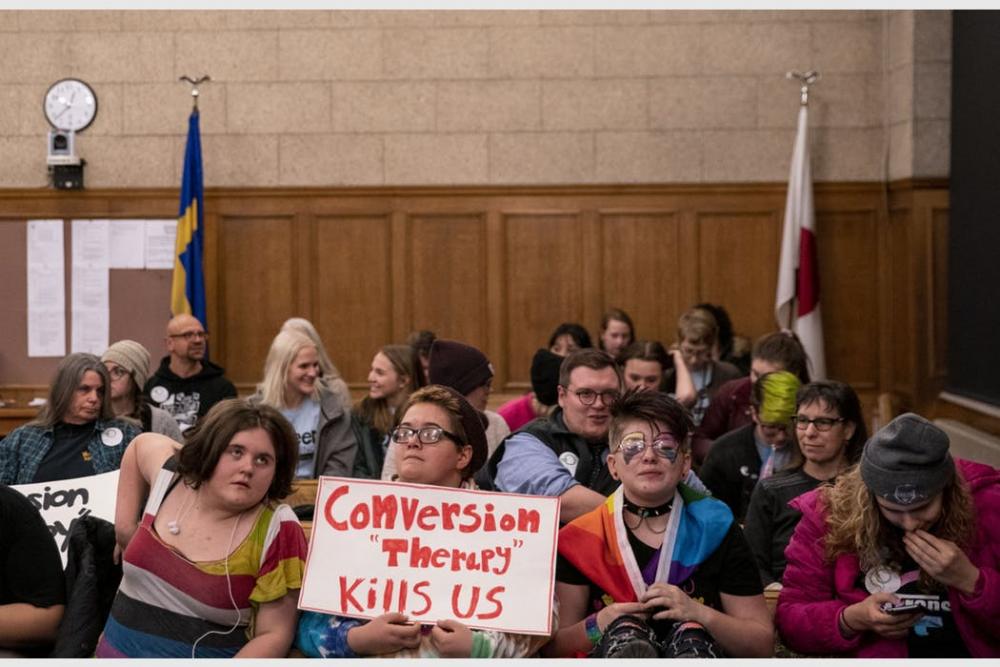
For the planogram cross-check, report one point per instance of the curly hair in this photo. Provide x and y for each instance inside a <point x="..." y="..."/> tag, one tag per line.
<point x="856" y="525"/>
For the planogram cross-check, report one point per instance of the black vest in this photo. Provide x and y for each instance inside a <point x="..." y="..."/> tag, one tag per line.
<point x="591" y="466"/>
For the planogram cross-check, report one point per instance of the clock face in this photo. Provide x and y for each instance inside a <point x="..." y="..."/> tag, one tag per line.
<point x="70" y="104"/>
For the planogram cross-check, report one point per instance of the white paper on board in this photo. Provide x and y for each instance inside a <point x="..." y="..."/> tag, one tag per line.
<point x="46" y="289"/>
<point x="91" y="307"/>
<point x="91" y="244"/>
<point x="127" y="244"/>
<point x="160" y="238"/>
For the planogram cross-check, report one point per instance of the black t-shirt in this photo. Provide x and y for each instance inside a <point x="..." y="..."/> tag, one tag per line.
<point x="68" y="457"/>
<point x="935" y="635"/>
<point x="30" y="567"/>
<point x="730" y="569"/>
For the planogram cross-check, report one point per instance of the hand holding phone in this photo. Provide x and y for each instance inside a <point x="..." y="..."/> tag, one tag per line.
<point x="901" y="607"/>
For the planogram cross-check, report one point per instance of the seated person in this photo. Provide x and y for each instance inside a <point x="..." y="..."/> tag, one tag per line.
<point x="696" y="337"/>
<point x="543" y="395"/>
<point x="617" y="332"/>
<point x="909" y="523"/>
<point x="658" y="564"/>
<point x="441" y="440"/>
<point x="567" y="338"/>
<point x="738" y="459"/>
<point x="730" y="407"/>
<point x="32" y="588"/>
<point x="214" y="567"/>
<point x="75" y="434"/>
<point x="830" y="433"/>
<point x="128" y="367"/>
<point x="390" y="381"/>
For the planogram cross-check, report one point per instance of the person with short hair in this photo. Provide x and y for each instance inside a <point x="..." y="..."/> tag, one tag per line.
<point x="187" y="384"/>
<point x="213" y="568"/>
<point x="538" y="402"/>
<point x="292" y="384"/>
<point x="32" y="587"/>
<point x="740" y="458"/>
<point x="565" y="454"/>
<point x="829" y="431"/>
<point x="390" y="382"/>
<point x="730" y="407"/>
<point x="567" y="338"/>
<point x="908" y="524"/>
<point x="441" y="441"/>
<point x="617" y="332"/>
<point x="75" y="433"/>
<point x="659" y="570"/>
<point x="128" y="367"/>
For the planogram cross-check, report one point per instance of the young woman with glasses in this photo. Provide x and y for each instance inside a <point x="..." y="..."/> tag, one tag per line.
<point x="442" y="442"/>
<point x="830" y="432"/>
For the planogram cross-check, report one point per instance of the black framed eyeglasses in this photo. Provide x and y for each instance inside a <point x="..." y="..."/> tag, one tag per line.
<point x="190" y="335"/>
<point x="588" y="396"/>
<point x="822" y="424"/>
<point x="664" y="446"/>
<point x="428" y="435"/>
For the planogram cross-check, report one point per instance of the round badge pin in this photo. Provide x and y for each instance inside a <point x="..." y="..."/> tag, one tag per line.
<point x="882" y="579"/>
<point x="112" y="437"/>
<point x="569" y="461"/>
<point x="159" y="394"/>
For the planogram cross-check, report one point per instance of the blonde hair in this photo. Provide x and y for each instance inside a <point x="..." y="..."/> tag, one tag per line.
<point x="284" y="348"/>
<point x="330" y="378"/>
<point x="856" y="525"/>
<point x="697" y="326"/>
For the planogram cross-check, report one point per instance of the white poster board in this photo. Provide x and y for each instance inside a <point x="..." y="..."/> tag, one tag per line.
<point x="46" y="289"/>
<point x="484" y="559"/>
<point x="61" y="503"/>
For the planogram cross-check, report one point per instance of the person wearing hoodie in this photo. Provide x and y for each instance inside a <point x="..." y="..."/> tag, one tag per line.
<point x="909" y="525"/>
<point x="187" y="384"/>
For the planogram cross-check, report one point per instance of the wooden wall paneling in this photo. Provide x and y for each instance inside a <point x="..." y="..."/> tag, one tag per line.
<point x="639" y="269"/>
<point x="902" y="324"/>
<point x="257" y="281"/>
<point x="543" y="266"/>
<point x="353" y="308"/>
<point x="688" y="268"/>
<point x="738" y="255"/>
<point x="496" y="297"/>
<point x="849" y="287"/>
<point x="446" y="276"/>
<point x="937" y="294"/>
<point x="399" y="269"/>
<point x="304" y="263"/>
<point x="591" y="274"/>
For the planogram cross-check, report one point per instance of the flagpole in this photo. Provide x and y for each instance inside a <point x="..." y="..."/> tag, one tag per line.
<point x="194" y="87"/>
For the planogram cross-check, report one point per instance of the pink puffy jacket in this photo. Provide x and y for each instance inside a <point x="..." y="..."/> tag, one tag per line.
<point x="815" y="590"/>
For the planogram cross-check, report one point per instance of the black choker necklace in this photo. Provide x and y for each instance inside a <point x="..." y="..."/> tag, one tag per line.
<point x="644" y="512"/>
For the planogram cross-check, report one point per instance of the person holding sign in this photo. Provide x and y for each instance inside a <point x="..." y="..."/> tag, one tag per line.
<point x="659" y="569"/>
<point x="293" y="383"/>
<point x="214" y="567"/>
<point x="441" y="441"/>
<point x="75" y="434"/>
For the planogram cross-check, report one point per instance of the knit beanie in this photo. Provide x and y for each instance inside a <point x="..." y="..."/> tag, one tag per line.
<point x="131" y="356"/>
<point x="907" y="461"/>
<point x="474" y="424"/>
<point x="459" y="366"/>
<point x="778" y="391"/>
<point x="545" y="376"/>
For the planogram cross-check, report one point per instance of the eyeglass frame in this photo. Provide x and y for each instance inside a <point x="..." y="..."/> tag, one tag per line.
<point x="603" y="394"/>
<point x="117" y="372"/>
<point x="676" y="449"/>
<point x="417" y="431"/>
<point x="802" y="423"/>
<point x="190" y="335"/>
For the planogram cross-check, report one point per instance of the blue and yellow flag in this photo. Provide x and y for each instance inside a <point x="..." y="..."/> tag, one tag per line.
<point x="188" y="293"/>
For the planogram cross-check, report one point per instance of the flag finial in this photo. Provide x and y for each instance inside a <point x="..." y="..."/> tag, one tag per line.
<point x="194" y="86"/>
<point x="806" y="79"/>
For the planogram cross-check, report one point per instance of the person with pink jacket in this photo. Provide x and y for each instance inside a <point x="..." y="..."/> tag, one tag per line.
<point x="909" y="527"/>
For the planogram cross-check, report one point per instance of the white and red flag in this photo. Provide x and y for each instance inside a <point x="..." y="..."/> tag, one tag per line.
<point x="796" y="304"/>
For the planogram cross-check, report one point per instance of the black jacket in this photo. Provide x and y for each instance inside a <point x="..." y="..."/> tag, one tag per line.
<point x="188" y="399"/>
<point x="731" y="469"/>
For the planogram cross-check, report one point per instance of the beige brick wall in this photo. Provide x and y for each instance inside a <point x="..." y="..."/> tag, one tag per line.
<point x="327" y="98"/>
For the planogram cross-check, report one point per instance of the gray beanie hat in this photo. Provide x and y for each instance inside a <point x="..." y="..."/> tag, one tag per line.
<point x="131" y="356"/>
<point x="907" y="461"/>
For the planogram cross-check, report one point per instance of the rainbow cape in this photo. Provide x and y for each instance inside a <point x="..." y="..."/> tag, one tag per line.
<point x="596" y="545"/>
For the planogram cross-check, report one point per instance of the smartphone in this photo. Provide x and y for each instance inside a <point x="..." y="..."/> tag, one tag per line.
<point x="904" y="607"/>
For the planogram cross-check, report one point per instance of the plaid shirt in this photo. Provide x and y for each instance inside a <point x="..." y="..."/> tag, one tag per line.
<point x="22" y="451"/>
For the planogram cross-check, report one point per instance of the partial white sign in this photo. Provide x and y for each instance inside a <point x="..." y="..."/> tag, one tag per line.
<point x="46" y="289"/>
<point x="128" y="244"/>
<point x="160" y="238"/>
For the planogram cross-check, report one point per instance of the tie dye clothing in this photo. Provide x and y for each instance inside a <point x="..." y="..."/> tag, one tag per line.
<point x="166" y="602"/>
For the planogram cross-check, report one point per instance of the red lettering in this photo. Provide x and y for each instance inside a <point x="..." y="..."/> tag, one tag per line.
<point x="420" y="556"/>
<point x="402" y="596"/>
<point x="439" y="558"/>
<point x="497" y="604"/>
<point x="418" y="589"/>
<point x="427" y="513"/>
<point x="347" y="594"/>
<point x="387" y="595"/>
<point x="384" y="512"/>
<point x="491" y="523"/>
<point x="410" y="507"/>
<point x="328" y="510"/>
<point x="360" y="516"/>
<point x="528" y="521"/>
<point x="470" y="511"/>
<point x="371" y="592"/>
<point x="394" y="547"/>
<point x="507" y="523"/>
<point x="448" y="512"/>
<point x="456" y="590"/>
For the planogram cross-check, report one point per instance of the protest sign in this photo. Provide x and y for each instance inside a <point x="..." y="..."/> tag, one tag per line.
<point x="484" y="559"/>
<point x="63" y="502"/>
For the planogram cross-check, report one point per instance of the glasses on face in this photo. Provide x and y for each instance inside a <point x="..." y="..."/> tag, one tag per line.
<point x="117" y="372"/>
<point x="664" y="446"/>
<point x="588" y="396"/>
<point x="191" y="335"/>
<point x="428" y="435"/>
<point x="822" y="424"/>
<point x="700" y="352"/>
